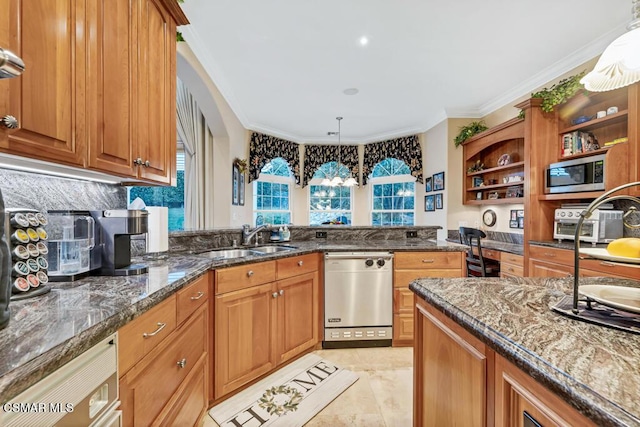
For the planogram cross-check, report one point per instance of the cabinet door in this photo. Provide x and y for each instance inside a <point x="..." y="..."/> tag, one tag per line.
<point x="297" y="315"/>
<point x="450" y="373"/>
<point x="539" y="268"/>
<point x="244" y="337"/>
<point x="156" y="91"/>
<point x="110" y="87"/>
<point x="48" y="98"/>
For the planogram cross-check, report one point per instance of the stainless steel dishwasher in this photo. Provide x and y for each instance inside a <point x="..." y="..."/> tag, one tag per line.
<point x="358" y="299"/>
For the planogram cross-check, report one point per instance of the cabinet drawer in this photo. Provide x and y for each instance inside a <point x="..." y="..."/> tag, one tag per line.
<point x="489" y="254"/>
<point x="192" y="297"/>
<point x="245" y="276"/>
<point x="402" y="278"/>
<point x="561" y="256"/>
<point x="402" y="328"/>
<point x="511" y="270"/>
<point x="428" y="260"/>
<point x="606" y="268"/>
<point x="150" y="385"/>
<point x="512" y="259"/>
<point x="294" y="266"/>
<point x="402" y="300"/>
<point x="143" y="334"/>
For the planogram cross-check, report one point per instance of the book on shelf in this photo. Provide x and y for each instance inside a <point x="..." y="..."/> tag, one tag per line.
<point x="578" y="142"/>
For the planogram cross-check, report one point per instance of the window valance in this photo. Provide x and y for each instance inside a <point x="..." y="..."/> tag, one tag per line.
<point x="406" y="149"/>
<point x="317" y="155"/>
<point x="264" y="148"/>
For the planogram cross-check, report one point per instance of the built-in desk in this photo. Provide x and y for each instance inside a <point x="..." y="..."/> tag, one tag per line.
<point x="509" y="255"/>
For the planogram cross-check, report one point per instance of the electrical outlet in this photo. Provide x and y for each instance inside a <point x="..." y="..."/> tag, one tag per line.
<point x="411" y="234"/>
<point x="321" y="234"/>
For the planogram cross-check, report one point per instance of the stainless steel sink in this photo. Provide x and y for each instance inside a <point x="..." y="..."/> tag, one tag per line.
<point x="231" y="253"/>
<point x="273" y="248"/>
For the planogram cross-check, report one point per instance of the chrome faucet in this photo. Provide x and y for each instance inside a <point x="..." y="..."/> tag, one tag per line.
<point x="247" y="233"/>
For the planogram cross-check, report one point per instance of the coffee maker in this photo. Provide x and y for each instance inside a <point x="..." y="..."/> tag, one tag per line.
<point x="116" y="227"/>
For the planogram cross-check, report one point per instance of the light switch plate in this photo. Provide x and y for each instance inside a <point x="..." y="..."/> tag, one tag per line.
<point x="411" y="234"/>
<point x="321" y="234"/>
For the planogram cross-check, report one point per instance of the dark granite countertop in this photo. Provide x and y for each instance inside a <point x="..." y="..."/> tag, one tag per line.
<point x="595" y="369"/>
<point x="48" y="331"/>
<point x="512" y="248"/>
<point x="565" y="244"/>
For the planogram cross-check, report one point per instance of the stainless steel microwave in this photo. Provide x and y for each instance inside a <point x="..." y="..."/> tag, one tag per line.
<point x="576" y="175"/>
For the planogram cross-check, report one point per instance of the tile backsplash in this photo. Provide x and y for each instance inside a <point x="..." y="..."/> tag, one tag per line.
<point x="44" y="192"/>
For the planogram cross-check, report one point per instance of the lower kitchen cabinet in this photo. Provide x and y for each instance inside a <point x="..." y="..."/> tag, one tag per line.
<point x="261" y="326"/>
<point x="452" y="373"/>
<point x="519" y="399"/>
<point x="164" y="363"/>
<point x="511" y="265"/>
<point x="407" y="267"/>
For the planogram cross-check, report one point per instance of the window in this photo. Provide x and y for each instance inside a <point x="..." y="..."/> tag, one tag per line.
<point x="272" y="194"/>
<point x="171" y="197"/>
<point x="393" y="193"/>
<point x="329" y="205"/>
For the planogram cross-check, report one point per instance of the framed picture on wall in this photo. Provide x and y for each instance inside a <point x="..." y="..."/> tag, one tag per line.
<point x="429" y="203"/>
<point x="439" y="201"/>
<point x="235" y="188"/>
<point x="241" y="189"/>
<point x="438" y="181"/>
<point x="428" y="184"/>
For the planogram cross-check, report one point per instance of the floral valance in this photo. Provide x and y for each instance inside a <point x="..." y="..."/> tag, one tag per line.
<point x="317" y="155"/>
<point x="406" y="149"/>
<point x="264" y="148"/>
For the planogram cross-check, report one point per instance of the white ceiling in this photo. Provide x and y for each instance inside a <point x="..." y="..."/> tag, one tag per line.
<point x="282" y="65"/>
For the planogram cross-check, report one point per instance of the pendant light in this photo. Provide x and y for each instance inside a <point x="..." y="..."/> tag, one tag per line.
<point x="336" y="181"/>
<point x="619" y="64"/>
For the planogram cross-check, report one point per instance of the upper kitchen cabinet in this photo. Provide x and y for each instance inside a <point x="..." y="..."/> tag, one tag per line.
<point x="494" y="165"/>
<point x="131" y="88"/>
<point x="48" y="99"/>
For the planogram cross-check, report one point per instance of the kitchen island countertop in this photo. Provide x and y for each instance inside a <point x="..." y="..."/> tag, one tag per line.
<point x="48" y="331"/>
<point x="596" y="369"/>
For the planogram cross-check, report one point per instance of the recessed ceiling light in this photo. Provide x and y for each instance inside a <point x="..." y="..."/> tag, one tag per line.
<point x="350" y="91"/>
<point x="364" y="40"/>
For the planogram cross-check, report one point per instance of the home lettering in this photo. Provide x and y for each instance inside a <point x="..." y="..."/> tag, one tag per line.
<point x="253" y="416"/>
<point x="321" y="371"/>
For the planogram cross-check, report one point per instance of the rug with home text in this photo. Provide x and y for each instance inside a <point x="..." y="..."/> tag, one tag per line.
<point x="289" y="397"/>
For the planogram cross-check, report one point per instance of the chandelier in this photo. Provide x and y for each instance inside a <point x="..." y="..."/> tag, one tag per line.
<point x="619" y="64"/>
<point x="336" y="181"/>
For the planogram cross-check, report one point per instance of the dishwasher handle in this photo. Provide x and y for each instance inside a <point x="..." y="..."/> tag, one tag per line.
<point x="372" y="255"/>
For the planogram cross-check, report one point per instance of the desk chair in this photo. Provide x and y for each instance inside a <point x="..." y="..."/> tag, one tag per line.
<point x="477" y="265"/>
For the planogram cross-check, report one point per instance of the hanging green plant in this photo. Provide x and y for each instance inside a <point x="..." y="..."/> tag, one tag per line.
<point x="469" y="130"/>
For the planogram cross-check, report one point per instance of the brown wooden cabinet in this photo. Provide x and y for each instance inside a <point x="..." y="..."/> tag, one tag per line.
<point x="500" y="176"/>
<point x="260" y="322"/>
<point x="99" y="87"/>
<point x="48" y="100"/>
<point x="407" y="267"/>
<point x="163" y="364"/>
<point x="452" y="373"/>
<point x="516" y="393"/>
<point x="511" y="265"/>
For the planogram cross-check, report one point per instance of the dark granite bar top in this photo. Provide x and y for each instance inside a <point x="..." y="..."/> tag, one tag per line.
<point x="48" y="331"/>
<point x="595" y="369"/>
<point x="512" y="248"/>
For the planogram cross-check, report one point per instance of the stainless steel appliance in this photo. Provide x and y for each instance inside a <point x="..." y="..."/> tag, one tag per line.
<point x="604" y="225"/>
<point x="358" y="299"/>
<point x="576" y="175"/>
<point x="116" y="228"/>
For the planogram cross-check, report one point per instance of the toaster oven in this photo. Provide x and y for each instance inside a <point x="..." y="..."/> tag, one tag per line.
<point x="604" y="225"/>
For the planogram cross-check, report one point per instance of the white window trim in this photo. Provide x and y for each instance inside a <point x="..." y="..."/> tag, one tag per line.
<point x="278" y="180"/>
<point x="318" y="181"/>
<point x="393" y="179"/>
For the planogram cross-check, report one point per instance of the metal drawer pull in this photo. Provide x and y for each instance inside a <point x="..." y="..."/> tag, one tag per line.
<point x="182" y="363"/>
<point x="300" y="263"/>
<point x="198" y="296"/>
<point x="281" y="292"/>
<point x="249" y="273"/>
<point x="154" y="333"/>
<point x="607" y="264"/>
<point x="549" y="254"/>
<point x="10" y="122"/>
<point x="275" y="295"/>
<point x="428" y="261"/>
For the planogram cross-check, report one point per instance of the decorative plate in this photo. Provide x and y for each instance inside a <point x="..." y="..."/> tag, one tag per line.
<point x="622" y="297"/>
<point x="602" y="253"/>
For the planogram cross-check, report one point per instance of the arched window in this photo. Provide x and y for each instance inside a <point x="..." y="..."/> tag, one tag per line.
<point x="272" y="194"/>
<point x="329" y="205"/>
<point x="393" y="193"/>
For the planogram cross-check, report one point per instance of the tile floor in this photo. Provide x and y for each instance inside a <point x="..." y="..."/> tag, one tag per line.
<point x="382" y="396"/>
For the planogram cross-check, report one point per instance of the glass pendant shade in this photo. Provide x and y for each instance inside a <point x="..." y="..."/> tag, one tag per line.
<point x="619" y="64"/>
<point x="326" y="182"/>
<point x="336" y="181"/>
<point x="350" y="182"/>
